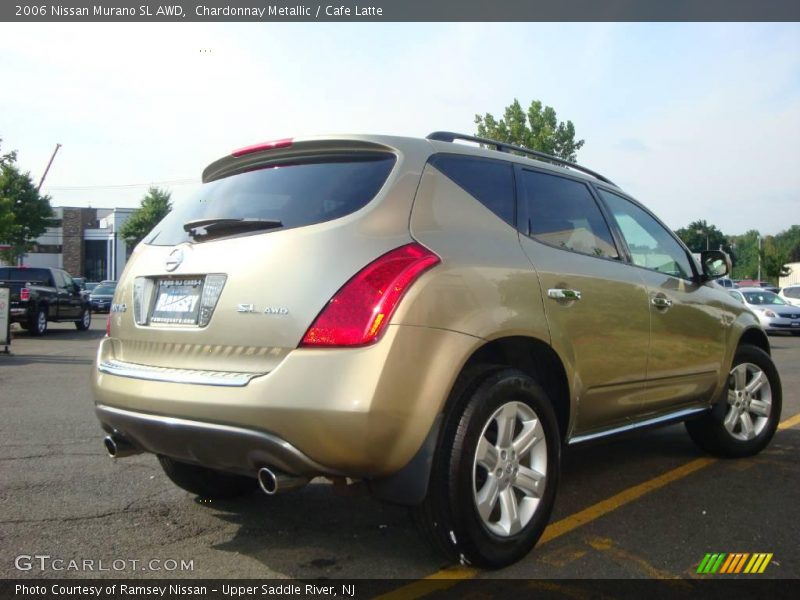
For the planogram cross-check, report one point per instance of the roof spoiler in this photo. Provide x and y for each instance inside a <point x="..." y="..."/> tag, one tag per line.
<point x="449" y="136"/>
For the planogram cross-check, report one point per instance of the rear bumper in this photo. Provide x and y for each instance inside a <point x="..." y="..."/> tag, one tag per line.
<point x="360" y="412"/>
<point x="222" y="447"/>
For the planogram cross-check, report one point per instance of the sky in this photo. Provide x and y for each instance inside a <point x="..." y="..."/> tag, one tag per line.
<point x="696" y="120"/>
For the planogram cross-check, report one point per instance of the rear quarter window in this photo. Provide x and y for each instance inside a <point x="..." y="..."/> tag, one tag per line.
<point x="303" y="192"/>
<point x="490" y="182"/>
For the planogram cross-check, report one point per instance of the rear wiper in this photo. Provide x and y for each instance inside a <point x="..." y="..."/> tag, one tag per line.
<point x="203" y="228"/>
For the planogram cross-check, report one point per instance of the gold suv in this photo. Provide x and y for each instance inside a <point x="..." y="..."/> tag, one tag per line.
<point x="435" y="319"/>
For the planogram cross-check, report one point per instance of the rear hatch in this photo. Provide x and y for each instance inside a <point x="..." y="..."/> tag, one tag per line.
<point x="232" y="278"/>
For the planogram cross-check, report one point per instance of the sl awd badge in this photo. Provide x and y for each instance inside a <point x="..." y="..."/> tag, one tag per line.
<point x="269" y="310"/>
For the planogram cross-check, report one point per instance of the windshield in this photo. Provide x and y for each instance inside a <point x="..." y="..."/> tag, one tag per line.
<point x="792" y="292"/>
<point x="313" y="190"/>
<point x="104" y="290"/>
<point x="764" y="297"/>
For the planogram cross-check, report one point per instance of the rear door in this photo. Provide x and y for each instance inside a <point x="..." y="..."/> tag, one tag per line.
<point x="688" y="334"/>
<point x="596" y="304"/>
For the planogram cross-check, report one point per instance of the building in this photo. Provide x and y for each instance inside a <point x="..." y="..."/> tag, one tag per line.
<point x="85" y="242"/>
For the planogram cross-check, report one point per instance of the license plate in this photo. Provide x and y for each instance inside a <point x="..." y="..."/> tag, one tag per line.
<point x="795" y="323"/>
<point x="177" y="301"/>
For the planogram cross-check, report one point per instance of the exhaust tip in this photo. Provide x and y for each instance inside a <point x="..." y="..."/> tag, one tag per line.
<point x="268" y="481"/>
<point x="111" y="446"/>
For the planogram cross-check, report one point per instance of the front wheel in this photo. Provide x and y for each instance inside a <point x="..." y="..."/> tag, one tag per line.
<point x="495" y="473"/>
<point x="744" y="420"/>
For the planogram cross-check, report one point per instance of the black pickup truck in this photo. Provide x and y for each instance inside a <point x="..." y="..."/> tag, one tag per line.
<point x="39" y="295"/>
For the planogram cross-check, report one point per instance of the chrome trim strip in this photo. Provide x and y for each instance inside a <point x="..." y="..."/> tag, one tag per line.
<point x="171" y="375"/>
<point x="662" y="420"/>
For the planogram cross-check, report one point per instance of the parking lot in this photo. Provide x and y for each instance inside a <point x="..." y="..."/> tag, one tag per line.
<point x="649" y="505"/>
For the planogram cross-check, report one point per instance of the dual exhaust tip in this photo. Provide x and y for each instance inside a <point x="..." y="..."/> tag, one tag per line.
<point x="271" y="482"/>
<point x="275" y="482"/>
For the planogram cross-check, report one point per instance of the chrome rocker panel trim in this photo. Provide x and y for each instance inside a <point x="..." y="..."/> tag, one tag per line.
<point x="652" y="422"/>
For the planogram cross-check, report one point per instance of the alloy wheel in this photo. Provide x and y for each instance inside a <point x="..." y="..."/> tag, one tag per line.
<point x="509" y="469"/>
<point x="749" y="401"/>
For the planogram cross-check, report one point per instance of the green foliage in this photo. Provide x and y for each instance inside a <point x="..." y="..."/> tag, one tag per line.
<point x="154" y="207"/>
<point x="699" y="236"/>
<point x="24" y="212"/>
<point x="538" y="129"/>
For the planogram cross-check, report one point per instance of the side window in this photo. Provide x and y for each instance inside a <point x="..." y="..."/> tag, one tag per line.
<point x="59" y="280"/>
<point x="490" y="182"/>
<point x="651" y="245"/>
<point x="563" y="213"/>
<point x="68" y="281"/>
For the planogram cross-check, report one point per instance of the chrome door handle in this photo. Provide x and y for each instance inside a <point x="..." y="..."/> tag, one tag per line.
<point x="562" y="294"/>
<point x="661" y="302"/>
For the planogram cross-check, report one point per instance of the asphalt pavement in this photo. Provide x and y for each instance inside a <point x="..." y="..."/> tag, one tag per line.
<point x="647" y="505"/>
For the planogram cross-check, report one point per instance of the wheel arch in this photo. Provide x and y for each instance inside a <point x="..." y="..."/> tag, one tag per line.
<point x="755" y="336"/>
<point x="532" y="356"/>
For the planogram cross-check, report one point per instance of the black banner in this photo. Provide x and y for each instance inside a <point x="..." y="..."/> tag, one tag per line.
<point x="710" y="588"/>
<point x="401" y="10"/>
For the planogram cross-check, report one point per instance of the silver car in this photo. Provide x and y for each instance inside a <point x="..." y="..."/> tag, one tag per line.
<point x="774" y="313"/>
<point x="791" y="294"/>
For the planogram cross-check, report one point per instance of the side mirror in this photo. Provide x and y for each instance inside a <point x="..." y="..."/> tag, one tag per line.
<point x="715" y="264"/>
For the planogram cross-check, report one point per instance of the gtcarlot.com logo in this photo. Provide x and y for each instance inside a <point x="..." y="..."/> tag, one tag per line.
<point x="737" y="562"/>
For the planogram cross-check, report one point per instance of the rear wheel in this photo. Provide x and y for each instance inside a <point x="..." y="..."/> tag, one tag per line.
<point x="85" y="321"/>
<point x="38" y="324"/>
<point x="206" y="482"/>
<point x="495" y="473"/>
<point x="744" y="420"/>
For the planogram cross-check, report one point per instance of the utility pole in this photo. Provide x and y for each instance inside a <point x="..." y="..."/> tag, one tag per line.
<point x="41" y="181"/>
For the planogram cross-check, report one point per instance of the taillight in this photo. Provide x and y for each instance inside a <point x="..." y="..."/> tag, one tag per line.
<point x="108" y="325"/>
<point x="360" y="310"/>
<point x="284" y="143"/>
<point x="24" y="294"/>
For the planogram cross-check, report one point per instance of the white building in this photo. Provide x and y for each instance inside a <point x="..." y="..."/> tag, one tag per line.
<point x="85" y="242"/>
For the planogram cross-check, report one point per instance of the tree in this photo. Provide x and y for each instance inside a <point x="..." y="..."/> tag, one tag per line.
<point x="24" y="212"/>
<point x="538" y="129"/>
<point x="699" y="236"/>
<point x="154" y="207"/>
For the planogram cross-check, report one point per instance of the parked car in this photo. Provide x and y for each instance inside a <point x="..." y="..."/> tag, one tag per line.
<point x="791" y="294"/>
<point x="726" y="282"/>
<point x="43" y="295"/>
<point x="101" y="296"/>
<point x="432" y="318"/>
<point x="775" y="313"/>
<point x="764" y="285"/>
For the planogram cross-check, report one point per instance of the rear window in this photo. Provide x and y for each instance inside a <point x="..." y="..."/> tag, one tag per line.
<point x="40" y="276"/>
<point x="792" y="292"/>
<point x="300" y="193"/>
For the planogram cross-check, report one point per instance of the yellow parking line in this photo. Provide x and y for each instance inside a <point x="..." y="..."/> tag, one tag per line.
<point x="790" y="422"/>
<point x="447" y="578"/>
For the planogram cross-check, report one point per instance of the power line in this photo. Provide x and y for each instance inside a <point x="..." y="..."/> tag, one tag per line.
<point x="66" y="188"/>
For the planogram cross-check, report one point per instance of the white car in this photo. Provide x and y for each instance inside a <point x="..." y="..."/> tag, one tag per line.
<point x="774" y="313"/>
<point x="791" y="294"/>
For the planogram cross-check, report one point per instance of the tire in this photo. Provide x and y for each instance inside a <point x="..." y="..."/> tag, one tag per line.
<point x="473" y="464"/>
<point x="38" y="324"/>
<point x="744" y="419"/>
<point x="205" y="482"/>
<point x="85" y="321"/>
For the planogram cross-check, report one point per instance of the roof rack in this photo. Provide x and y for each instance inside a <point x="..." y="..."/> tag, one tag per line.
<point x="449" y="136"/>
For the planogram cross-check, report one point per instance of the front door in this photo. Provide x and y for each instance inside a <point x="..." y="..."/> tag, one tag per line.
<point x="688" y="333"/>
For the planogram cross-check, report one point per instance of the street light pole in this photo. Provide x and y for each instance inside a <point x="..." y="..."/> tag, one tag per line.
<point x="759" y="258"/>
